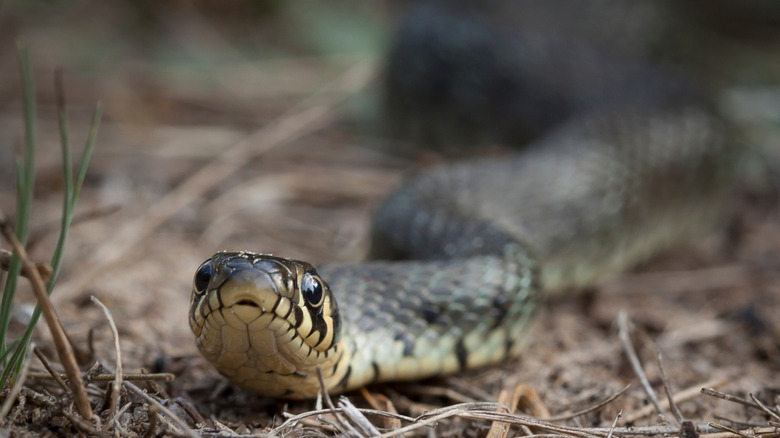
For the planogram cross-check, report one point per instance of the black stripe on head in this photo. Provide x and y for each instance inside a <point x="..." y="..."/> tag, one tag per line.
<point x="298" y="315"/>
<point x="322" y="331"/>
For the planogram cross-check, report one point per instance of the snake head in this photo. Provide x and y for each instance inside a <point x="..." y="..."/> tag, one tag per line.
<point x="256" y="316"/>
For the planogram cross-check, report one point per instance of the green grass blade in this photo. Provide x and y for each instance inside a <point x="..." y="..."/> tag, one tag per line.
<point x="88" y="148"/>
<point x="25" y="189"/>
<point x="67" y="182"/>
<point x="70" y="194"/>
<point x="14" y="268"/>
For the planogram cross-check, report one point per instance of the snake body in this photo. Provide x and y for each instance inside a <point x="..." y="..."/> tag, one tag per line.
<point x="480" y="243"/>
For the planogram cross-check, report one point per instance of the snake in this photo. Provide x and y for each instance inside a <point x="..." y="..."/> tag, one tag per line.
<point x="463" y="252"/>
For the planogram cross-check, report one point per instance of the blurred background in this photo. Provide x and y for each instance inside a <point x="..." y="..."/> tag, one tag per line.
<point x="277" y="126"/>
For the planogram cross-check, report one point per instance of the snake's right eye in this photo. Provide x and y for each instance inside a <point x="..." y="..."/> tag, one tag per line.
<point x="203" y="276"/>
<point x="311" y="288"/>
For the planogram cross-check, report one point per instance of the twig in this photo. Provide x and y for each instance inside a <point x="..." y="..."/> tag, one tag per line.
<point x="660" y="429"/>
<point x="628" y="347"/>
<point x="357" y="417"/>
<point x="64" y="350"/>
<point x="151" y="400"/>
<point x="729" y="429"/>
<point x="597" y="406"/>
<point x="764" y="407"/>
<point x="738" y="423"/>
<point x="120" y="430"/>
<point x="84" y="426"/>
<point x="295" y="419"/>
<point x="190" y="410"/>
<point x="487" y="412"/>
<point x="530" y="422"/>
<point x="43" y="269"/>
<point x="500" y="429"/>
<point x="438" y="391"/>
<point x="732" y="398"/>
<point x="38" y="398"/>
<point x="381" y="402"/>
<point x="117" y="385"/>
<point x="677" y="415"/>
<point x="614" y="423"/>
<point x="107" y="377"/>
<point x="325" y="396"/>
<point x="47" y="365"/>
<point x="685" y="394"/>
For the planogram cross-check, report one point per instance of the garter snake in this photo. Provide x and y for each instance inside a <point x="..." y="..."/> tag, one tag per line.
<point x="626" y="159"/>
<point x="485" y="240"/>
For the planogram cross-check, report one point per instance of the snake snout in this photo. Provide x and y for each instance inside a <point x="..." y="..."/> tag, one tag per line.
<point x="249" y="288"/>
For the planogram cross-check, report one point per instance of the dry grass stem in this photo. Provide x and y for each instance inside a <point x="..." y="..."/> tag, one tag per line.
<point x="614" y="424"/>
<point x="512" y="400"/>
<point x="357" y="417"/>
<point x="708" y="390"/>
<point x="117" y="383"/>
<point x="729" y="429"/>
<point x="597" y="406"/>
<point x="44" y="270"/>
<point x="53" y="374"/>
<point x="439" y="391"/>
<point x="636" y="365"/>
<point x="381" y="402"/>
<point x="184" y="429"/>
<point x="84" y="426"/>
<point x="769" y="411"/>
<point x="326" y="397"/>
<point x="293" y="420"/>
<point x="684" y="395"/>
<point x="107" y="377"/>
<point x="64" y="350"/>
<point x="677" y="415"/>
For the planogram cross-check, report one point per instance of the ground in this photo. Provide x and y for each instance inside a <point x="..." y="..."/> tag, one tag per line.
<point x="206" y="145"/>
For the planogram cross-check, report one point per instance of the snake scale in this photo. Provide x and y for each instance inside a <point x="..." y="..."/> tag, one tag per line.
<point x="622" y="176"/>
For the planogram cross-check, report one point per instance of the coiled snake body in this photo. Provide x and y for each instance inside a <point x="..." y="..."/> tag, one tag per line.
<point x="484" y="240"/>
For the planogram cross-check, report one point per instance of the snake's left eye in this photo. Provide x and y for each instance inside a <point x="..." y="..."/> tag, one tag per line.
<point x="311" y="289"/>
<point x="203" y="276"/>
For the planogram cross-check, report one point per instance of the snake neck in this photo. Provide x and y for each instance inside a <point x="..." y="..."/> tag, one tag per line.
<point x="434" y="318"/>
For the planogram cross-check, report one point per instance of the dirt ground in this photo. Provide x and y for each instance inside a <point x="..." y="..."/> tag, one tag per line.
<point x="228" y="130"/>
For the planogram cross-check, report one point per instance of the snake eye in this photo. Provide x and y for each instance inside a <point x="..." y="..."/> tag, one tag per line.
<point x="203" y="276"/>
<point x="311" y="288"/>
